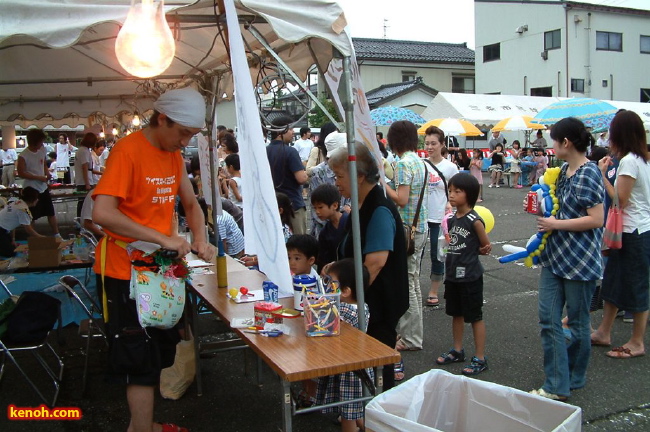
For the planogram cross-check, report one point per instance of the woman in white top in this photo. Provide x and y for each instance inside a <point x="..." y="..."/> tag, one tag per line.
<point x="626" y="278"/>
<point x="439" y="171"/>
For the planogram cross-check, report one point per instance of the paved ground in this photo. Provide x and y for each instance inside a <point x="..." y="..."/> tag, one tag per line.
<point x="616" y="397"/>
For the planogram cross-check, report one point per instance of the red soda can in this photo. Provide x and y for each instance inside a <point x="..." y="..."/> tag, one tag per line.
<point x="531" y="203"/>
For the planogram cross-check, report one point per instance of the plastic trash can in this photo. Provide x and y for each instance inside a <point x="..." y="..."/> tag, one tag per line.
<point x="440" y="401"/>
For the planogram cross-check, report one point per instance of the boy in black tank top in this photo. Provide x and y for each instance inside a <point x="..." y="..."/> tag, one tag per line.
<point x="464" y="272"/>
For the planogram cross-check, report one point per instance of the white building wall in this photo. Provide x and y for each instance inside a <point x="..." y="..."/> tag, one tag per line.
<point x="521" y="66"/>
<point x="416" y="101"/>
<point x="375" y="74"/>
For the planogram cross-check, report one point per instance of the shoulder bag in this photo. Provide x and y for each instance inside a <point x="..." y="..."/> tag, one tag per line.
<point x="409" y="230"/>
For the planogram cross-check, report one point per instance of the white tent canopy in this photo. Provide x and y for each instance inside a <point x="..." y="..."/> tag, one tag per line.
<point x="484" y="110"/>
<point x="59" y="64"/>
<point x="487" y="110"/>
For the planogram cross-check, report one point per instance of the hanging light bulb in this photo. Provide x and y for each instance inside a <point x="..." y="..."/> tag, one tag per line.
<point x="136" y="119"/>
<point x="114" y="131"/>
<point x="145" y="45"/>
<point x="102" y="134"/>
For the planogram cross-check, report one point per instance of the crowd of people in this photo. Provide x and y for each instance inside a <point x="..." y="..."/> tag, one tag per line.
<point x="410" y="202"/>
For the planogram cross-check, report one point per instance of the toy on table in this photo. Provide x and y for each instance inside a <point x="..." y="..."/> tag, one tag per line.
<point x="322" y="316"/>
<point x="549" y="205"/>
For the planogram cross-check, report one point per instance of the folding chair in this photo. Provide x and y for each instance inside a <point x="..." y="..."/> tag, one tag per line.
<point x="8" y="348"/>
<point x="90" y="327"/>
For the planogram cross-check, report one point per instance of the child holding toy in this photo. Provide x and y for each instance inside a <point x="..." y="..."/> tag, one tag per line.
<point x="464" y="273"/>
<point x="571" y="262"/>
<point x="346" y="386"/>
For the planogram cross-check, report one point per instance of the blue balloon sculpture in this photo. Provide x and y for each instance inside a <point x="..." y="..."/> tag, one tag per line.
<point x="549" y="206"/>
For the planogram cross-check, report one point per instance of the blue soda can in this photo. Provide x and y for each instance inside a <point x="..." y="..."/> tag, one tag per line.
<point x="270" y="291"/>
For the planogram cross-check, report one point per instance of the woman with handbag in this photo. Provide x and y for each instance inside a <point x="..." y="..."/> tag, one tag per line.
<point x="571" y="262"/>
<point x="410" y="177"/>
<point x="626" y="280"/>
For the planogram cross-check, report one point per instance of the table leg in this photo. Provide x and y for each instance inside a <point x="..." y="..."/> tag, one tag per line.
<point x="379" y="380"/>
<point x="286" y="406"/>
<point x="197" y="350"/>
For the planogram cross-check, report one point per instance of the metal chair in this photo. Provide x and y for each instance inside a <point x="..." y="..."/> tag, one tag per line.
<point x="8" y="349"/>
<point x="90" y="327"/>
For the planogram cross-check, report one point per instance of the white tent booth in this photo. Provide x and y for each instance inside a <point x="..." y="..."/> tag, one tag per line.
<point x="59" y="67"/>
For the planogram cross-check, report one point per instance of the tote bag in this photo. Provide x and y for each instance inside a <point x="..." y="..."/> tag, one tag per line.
<point x="613" y="235"/>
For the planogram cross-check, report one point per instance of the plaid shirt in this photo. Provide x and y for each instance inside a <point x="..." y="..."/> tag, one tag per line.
<point x="410" y="171"/>
<point x="575" y="255"/>
<point x="346" y="386"/>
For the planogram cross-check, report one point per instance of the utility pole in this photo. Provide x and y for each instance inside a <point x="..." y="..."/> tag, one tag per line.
<point x="385" y="27"/>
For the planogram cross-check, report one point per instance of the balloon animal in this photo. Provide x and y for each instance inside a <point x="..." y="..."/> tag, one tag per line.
<point x="549" y="205"/>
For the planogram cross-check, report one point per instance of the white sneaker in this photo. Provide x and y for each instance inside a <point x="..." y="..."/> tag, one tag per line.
<point x="491" y="186"/>
<point x="498" y="186"/>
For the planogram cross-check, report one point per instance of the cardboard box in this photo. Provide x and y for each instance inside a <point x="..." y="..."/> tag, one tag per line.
<point x="45" y="251"/>
<point x="440" y="401"/>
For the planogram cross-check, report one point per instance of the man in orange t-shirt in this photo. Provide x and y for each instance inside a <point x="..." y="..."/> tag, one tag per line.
<point x="134" y="200"/>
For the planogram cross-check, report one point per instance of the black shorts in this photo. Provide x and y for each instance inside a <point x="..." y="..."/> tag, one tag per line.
<point x="135" y="355"/>
<point x="44" y="206"/>
<point x="465" y="299"/>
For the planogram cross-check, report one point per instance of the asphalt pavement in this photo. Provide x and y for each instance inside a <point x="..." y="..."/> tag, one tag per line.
<point x="616" y="397"/>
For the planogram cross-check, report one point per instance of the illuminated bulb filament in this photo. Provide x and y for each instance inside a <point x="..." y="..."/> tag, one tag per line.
<point x="145" y="45"/>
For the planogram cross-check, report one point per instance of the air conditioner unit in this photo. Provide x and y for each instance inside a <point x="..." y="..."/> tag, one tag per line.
<point x="544" y="55"/>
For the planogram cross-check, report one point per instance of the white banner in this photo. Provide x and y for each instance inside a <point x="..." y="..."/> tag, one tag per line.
<point x="363" y="127"/>
<point x="207" y="179"/>
<point x="262" y="223"/>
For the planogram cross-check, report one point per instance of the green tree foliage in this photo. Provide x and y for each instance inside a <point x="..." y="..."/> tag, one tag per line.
<point x="317" y="117"/>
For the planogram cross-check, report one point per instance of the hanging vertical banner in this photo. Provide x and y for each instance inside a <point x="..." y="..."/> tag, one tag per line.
<point x="363" y="126"/>
<point x="207" y="179"/>
<point x="262" y="223"/>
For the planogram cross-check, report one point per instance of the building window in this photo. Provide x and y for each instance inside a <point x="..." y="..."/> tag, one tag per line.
<point x="645" y="44"/>
<point x="607" y="41"/>
<point x="542" y="91"/>
<point x="577" y="85"/>
<point x="552" y="40"/>
<point x="462" y="84"/>
<point x="408" y="76"/>
<point x="645" y="95"/>
<point x="491" y="52"/>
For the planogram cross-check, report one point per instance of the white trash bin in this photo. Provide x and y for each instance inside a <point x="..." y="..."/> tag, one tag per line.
<point x="440" y="401"/>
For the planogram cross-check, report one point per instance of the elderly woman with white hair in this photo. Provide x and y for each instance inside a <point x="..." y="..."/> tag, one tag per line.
<point x="382" y="247"/>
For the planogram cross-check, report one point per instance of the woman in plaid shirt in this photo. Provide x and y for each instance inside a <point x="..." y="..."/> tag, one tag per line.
<point x="571" y="262"/>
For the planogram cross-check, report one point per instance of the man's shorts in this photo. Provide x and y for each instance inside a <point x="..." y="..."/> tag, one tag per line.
<point x="465" y="299"/>
<point x="135" y="355"/>
<point x="44" y="206"/>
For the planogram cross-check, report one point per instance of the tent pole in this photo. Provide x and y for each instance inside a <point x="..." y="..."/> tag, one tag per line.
<point x="216" y="205"/>
<point x="348" y="106"/>
<point x="287" y="69"/>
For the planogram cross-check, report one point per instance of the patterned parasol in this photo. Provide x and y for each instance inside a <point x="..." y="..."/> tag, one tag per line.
<point x="386" y="116"/>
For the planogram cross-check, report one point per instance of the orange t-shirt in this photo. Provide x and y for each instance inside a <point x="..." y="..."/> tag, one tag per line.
<point x="146" y="180"/>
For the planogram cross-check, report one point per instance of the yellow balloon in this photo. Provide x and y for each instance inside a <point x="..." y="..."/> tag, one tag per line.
<point x="528" y="261"/>
<point x="233" y="293"/>
<point x="487" y="217"/>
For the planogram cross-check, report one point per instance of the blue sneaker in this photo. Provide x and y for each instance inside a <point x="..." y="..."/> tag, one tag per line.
<point x="628" y="317"/>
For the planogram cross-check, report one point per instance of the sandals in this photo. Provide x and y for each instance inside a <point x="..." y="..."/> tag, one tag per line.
<point x="543" y="393"/>
<point x="170" y="427"/>
<point x="399" y="371"/>
<point x="451" y="356"/>
<point x="433" y="301"/>
<point x="475" y="367"/>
